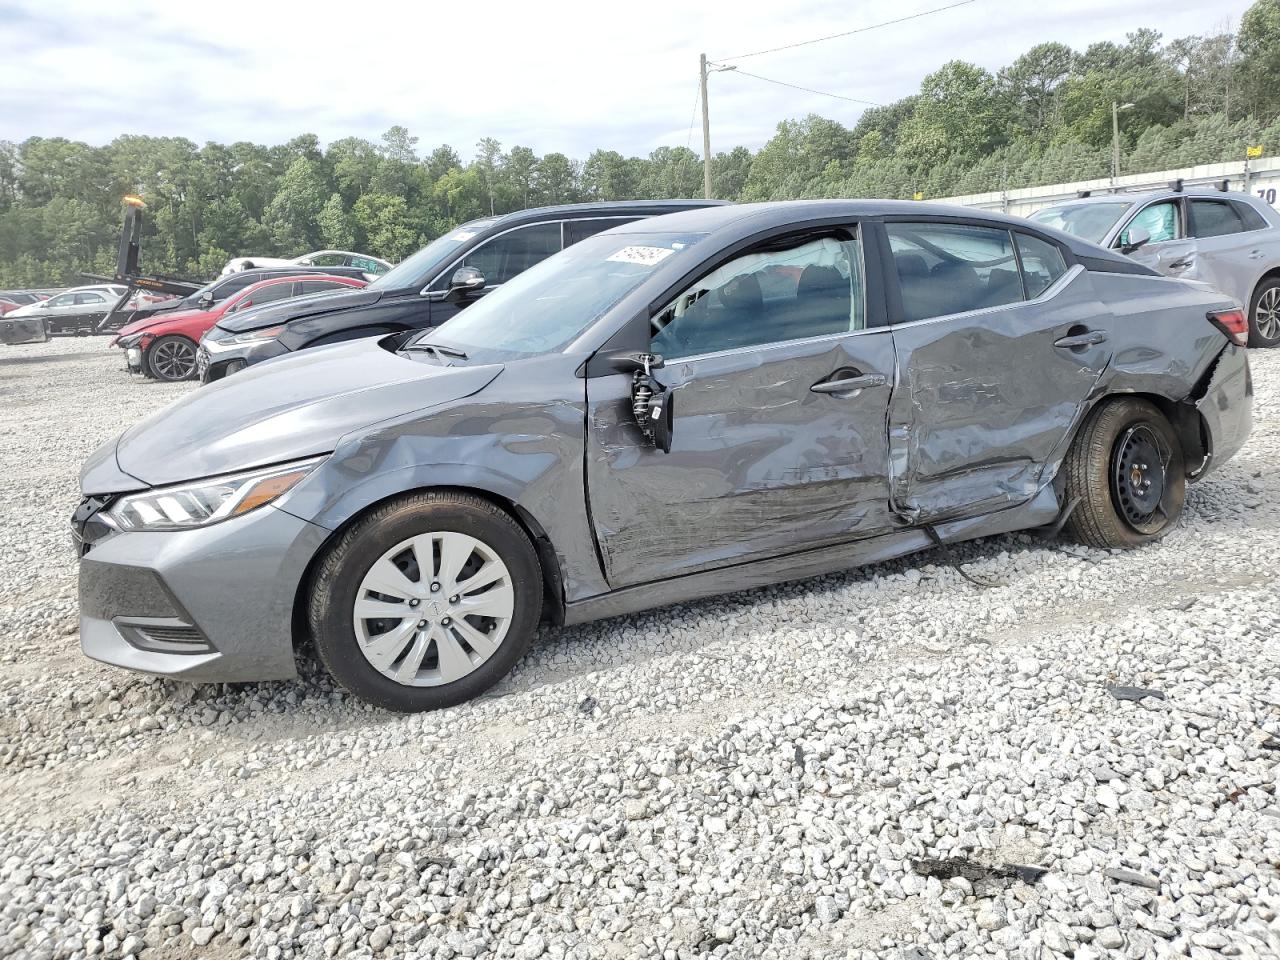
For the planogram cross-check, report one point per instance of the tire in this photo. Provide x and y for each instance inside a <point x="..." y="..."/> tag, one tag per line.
<point x="412" y="663"/>
<point x="1108" y="463"/>
<point x="171" y="358"/>
<point x="1264" y="314"/>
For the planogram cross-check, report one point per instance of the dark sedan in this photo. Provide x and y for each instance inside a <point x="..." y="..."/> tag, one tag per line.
<point x="449" y="274"/>
<point x="710" y="401"/>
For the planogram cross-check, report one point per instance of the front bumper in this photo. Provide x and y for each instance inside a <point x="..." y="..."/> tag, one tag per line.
<point x="216" y="360"/>
<point x="211" y="605"/>
<point x="1226" y="409"/>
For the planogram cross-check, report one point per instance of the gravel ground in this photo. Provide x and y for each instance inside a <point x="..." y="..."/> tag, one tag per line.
<point x="758" y="775"/>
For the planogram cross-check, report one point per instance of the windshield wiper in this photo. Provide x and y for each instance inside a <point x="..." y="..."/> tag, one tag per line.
<point x="452" y="352"/>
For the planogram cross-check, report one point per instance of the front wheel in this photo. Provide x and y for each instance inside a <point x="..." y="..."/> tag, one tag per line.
<point x="1264" y="314"/>
<point x="1125" y="468"/>
<point x="171" y="358"/>
<point x="426" y="602"/>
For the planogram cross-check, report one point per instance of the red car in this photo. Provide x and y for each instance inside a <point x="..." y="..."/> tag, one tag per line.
<point x="163" y="346"/>
<point x="6" y="305"/>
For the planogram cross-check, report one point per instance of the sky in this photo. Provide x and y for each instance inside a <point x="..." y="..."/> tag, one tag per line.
<point x="567" y="76"/>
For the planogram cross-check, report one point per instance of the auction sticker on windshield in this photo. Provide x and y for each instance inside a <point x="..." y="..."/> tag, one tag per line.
<point x="645" y="256"/>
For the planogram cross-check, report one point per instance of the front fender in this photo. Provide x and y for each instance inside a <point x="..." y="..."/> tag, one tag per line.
<point x="521" y="441"/>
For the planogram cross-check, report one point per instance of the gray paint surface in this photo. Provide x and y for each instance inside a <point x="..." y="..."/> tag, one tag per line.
<point x="766" y="480"/>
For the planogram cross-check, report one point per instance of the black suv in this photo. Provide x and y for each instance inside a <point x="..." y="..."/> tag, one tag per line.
<point x="215" y="291"/>
<point x="425" y="289"/>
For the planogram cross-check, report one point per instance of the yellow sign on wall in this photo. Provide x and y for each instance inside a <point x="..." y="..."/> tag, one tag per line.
<point x="918" y="195"/>
<point x="1253" y="152"/>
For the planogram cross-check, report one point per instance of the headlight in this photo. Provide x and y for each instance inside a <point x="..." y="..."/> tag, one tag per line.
<point x="252" y="336"/>
<point x="203" y="502"/>
<point x="132" y="340"/>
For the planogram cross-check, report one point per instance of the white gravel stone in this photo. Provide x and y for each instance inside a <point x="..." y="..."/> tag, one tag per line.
<point x="756" y="776"/>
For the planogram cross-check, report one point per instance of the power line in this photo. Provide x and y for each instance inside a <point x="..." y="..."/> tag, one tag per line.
<point x="821" y="93"/>
<point x="849" y="33"/>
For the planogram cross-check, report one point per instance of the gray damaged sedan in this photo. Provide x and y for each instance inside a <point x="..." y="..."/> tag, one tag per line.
<point x="698" y="403"/>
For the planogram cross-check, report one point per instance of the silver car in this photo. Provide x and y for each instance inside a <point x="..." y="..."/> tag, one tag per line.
<point x="687" y="405"/>
<point x="1229" y="240"/>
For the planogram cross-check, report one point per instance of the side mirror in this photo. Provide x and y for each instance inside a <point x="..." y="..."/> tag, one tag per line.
<point x="652" y="402"/>
<point x="1133" y="239"/>
<point x="206" y="298"/>
<point x="465" y="280"/>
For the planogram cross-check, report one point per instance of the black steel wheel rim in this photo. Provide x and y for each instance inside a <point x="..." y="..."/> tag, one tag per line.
<point x="1139" y="478"/>
<point x="174" y="360"/>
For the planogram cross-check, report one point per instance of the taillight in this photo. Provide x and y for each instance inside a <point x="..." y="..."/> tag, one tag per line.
<point x="1233" y="324"/>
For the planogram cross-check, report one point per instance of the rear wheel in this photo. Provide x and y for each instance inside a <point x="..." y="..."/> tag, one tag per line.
<point x="1264" y="314"/>
<point x="171" y="358"/>
<point x="427" y="602"/>
<point x="1125" y="468"/>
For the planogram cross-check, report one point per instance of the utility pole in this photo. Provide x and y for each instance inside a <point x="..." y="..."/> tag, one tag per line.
<point x="1115" y="138"/>
<point x="706" y="130"/>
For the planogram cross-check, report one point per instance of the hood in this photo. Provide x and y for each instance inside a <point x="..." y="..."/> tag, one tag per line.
<point x="30" y="310"/>
<point x="146" y="323"/>
<point x="288" y="408"/>
<point x="272" y="315"/>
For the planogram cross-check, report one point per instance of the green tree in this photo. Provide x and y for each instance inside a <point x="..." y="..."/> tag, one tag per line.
<point x="293" y="212"/>
<point x="1259" y="44"/>
<point x="337" y="227"/>
<point x="387" y="225"/>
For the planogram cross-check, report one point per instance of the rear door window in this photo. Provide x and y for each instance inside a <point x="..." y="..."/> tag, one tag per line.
<point x="575" y="230"/>
<point x="1215" y="218"/>
<point x="88" y="298"/>
<point x="946" y="268"/>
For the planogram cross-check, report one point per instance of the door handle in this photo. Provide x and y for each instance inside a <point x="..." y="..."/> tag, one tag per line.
<point x="1256" y="254"/>
<point x="849" y="384"/>
<point x="1081" y="340"/>
<point x="1180" y="264"/>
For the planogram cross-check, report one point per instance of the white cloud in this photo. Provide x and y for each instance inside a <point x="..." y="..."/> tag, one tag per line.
<point x="570" y="76"/>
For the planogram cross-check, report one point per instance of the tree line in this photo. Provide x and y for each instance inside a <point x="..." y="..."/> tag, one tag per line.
<point x="1044" y="118"/>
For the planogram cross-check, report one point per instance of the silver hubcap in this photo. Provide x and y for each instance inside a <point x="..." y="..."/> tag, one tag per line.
<point x="433" y="608"/>
<point x="174" y="359"/>
<point x="1267" y="317"/>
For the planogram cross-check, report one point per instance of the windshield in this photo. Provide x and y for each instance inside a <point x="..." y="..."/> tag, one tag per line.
<point x="546" y="306"/>
<point x="1089" y="221"/>
<point x="421" y="267"/>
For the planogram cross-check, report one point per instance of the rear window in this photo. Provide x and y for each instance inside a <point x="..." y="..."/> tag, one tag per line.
<point x="1042" y="264"/>
<point x="1215" y="218"/>
<point x="1253" y="220"/>
<point x="946" y="268"/>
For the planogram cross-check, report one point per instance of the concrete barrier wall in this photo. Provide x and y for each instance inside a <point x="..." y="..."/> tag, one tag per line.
<point x="1261" y="178"/>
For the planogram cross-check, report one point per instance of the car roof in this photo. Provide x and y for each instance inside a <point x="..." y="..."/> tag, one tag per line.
<point x="750" y="218"/>
<point x="576" y="211"/>
<point x="1146" y="196"/>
